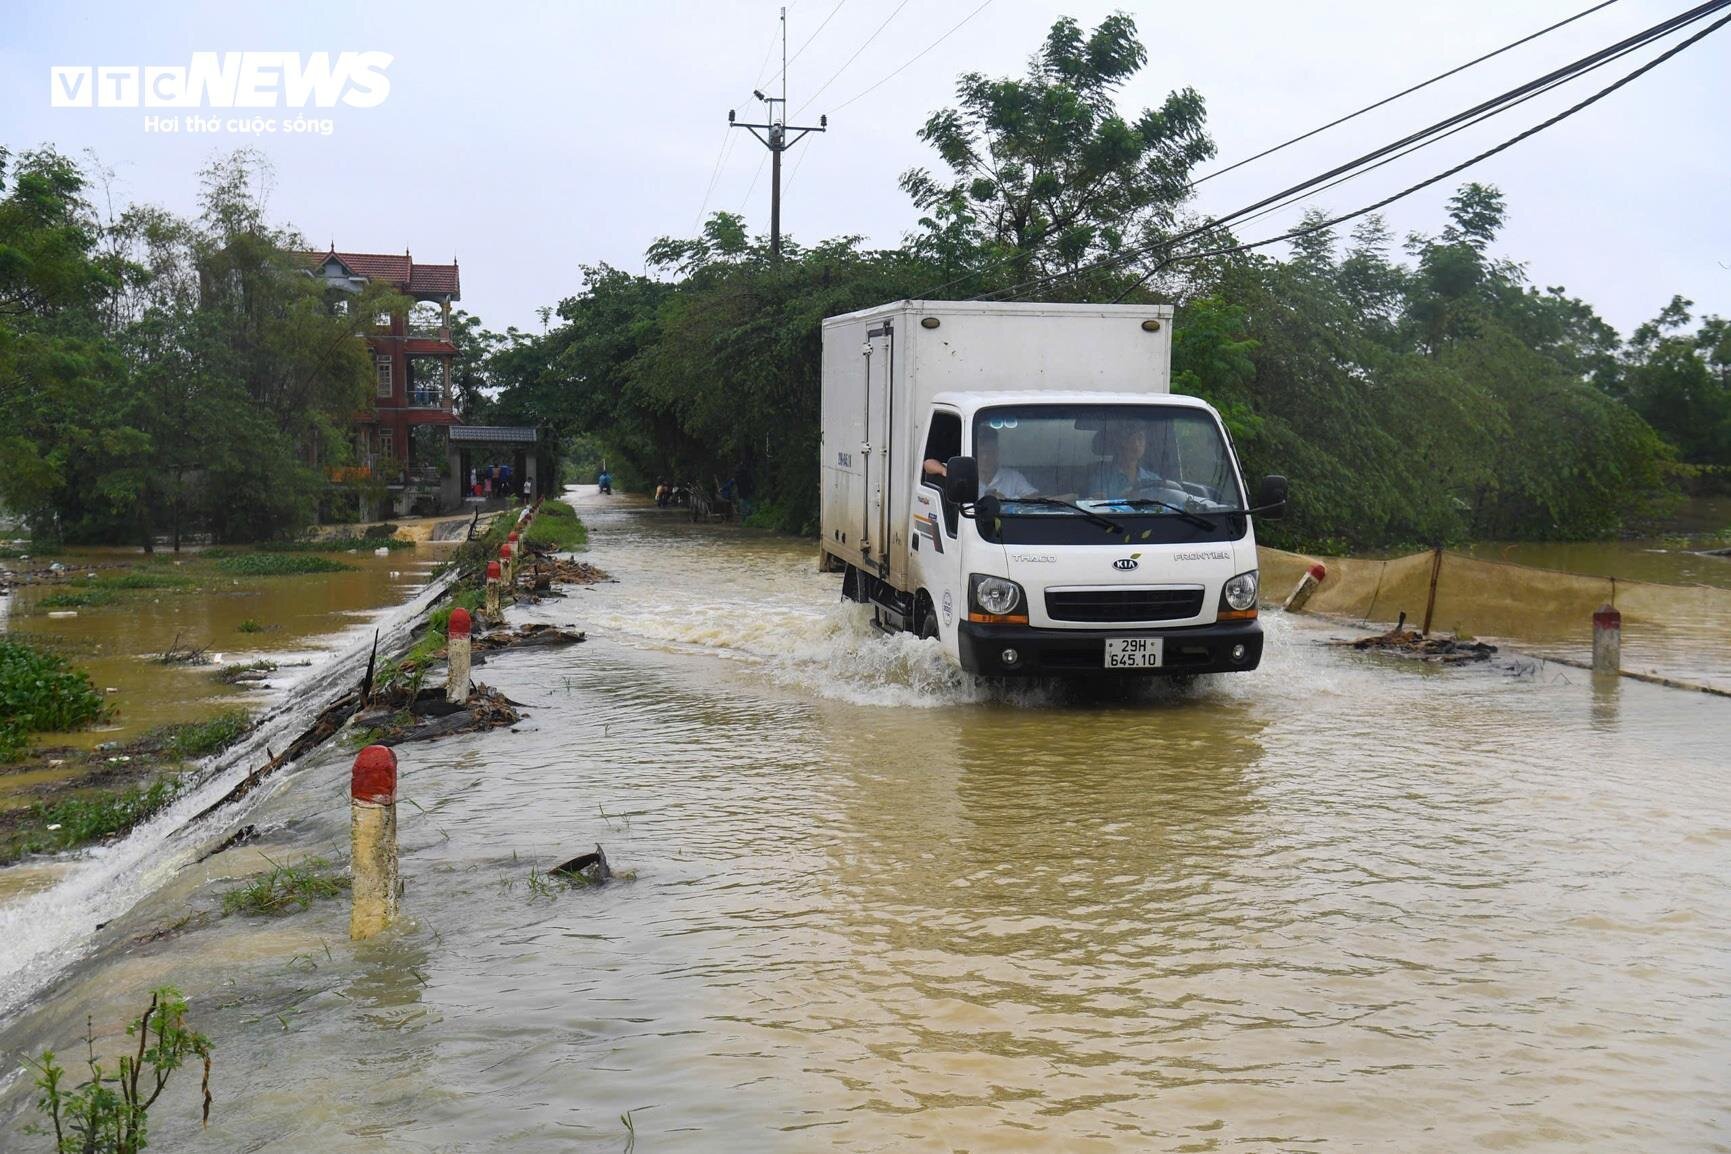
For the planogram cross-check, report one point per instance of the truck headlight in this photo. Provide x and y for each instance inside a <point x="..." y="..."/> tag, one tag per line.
<point x="1240" y="591"/>
<point x="997" y="596"/>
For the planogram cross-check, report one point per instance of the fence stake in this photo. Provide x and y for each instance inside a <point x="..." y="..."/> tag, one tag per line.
<point x="1430" y="601"/>
<point x="373" y="841"/>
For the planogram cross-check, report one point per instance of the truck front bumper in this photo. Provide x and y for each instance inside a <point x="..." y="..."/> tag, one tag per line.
<point x="1082" y="652"/>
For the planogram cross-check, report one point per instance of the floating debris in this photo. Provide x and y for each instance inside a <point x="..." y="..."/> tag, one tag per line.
<point x="527" y="635"/>
<point x="591" y="867"/>
<point x="425" y="720"/>
<point x="541" y="571"/>
<point x="178" y="654"/>
<point x="1403" y="642"/>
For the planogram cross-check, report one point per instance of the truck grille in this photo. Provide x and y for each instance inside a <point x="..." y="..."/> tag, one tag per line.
<point x="1123" y="604"/>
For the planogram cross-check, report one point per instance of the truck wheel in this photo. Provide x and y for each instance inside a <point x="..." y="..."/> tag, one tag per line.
<point x="926" y="618"/>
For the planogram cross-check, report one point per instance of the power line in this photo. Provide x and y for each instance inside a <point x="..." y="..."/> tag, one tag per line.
<point x="808" y="40"/>
<point x="773" y="135"/>
<point x="1318" y="226"/>
<point x="1403" y="92"/>
<point x="752" y="187"/>
<point x="953" y="29"/>
<point x="726" y="149"/>
<point x="1547" y="81"/>
<point x="851" y="59"/>
<point x="1337" y="182"/>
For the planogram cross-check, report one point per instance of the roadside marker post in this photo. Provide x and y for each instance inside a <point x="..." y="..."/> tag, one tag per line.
<point x="494" y="572"/>
<point x="373" y="841"/>
<point x="457" y="652"/>
<point x="1307" y="584"/>
<point x="1607" y="639"/>
<point x="507" y="569"/>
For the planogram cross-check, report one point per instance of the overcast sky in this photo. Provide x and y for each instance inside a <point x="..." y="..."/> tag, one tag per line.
<point x="527" y="140"/>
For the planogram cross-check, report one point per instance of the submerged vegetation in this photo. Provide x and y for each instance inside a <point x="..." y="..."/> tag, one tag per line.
<point x="201" y="738"/>
<point x="40" y="691"/>
<point x="78" y="821"/>
<point x="277" y="564"/>
<point x="109" y="790"/>
<point x="109" y="1111"/>
<point x="286" y="889"/>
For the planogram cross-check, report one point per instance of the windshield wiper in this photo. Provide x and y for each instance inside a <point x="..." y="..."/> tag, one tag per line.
<point x="1105" y="523"/>
<point x="1191" y="516"/>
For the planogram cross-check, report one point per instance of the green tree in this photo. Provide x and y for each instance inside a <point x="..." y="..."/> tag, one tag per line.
<point x="1045" y="172"/>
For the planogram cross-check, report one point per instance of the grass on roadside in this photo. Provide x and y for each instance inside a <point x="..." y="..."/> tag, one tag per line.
<point x="286" y="889"/>
<point x="558" y="527"/>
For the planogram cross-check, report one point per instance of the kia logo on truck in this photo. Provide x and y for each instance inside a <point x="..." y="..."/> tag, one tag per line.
<point x="1124" y="563"/>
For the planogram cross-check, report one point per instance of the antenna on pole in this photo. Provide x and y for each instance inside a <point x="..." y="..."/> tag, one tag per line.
<point x="774" y="136"/>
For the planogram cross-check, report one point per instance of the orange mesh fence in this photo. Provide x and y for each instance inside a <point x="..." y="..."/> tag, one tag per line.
<point x="1680" y="631"/>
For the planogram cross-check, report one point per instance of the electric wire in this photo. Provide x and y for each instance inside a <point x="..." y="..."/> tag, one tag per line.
<point x="1318" y="226"/>
<point x="726" y="149"/>
<point x="844" y="65"/>
<point x="916" y="57"/>
<point x="801" y="50"/>
<point x="954" y="28"/>
<point x="1338" y="181"/>
<point x="1436" y="131"/>
<point x="1403" y="92"/>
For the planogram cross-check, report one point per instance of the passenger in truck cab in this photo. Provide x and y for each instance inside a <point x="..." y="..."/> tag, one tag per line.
<point x="995" y="480"/>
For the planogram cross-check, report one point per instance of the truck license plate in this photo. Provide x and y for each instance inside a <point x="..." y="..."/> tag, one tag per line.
<point x="1133" y="652"/>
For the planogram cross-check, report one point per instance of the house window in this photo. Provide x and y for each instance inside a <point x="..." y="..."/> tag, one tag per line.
<point x="383" y="320"/>
<point x="387" y="445"/>
<point x="383" y="365"/>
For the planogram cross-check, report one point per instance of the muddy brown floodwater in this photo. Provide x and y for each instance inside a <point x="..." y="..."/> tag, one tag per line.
<point x="301" y="618"/>
<point x="1343" y="903"/>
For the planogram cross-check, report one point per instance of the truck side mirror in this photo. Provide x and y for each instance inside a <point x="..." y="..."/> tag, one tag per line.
<point x="1271" y="497"/>
<point x="961" y="481"/>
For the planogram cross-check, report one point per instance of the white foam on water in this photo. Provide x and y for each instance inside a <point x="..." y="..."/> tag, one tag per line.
<point x="46" y="930"/>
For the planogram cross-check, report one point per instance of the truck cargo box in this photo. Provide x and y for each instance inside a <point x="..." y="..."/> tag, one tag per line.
<point x="883" y="366"/>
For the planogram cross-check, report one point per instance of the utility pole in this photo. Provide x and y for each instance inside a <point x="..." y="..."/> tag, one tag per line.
<point x="774" y="136"/>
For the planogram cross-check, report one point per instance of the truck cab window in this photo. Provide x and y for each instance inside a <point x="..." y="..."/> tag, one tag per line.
<point x="943" y="441"/>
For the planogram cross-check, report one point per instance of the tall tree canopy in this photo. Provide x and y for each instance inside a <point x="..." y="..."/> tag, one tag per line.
<point x="1045" y="172"/>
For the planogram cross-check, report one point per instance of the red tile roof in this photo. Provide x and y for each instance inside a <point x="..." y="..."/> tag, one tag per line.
<point x="399" y="271"/>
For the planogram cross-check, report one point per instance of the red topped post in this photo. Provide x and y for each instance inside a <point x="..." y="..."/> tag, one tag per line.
<point x="373" y="841"/>
<point x="457" y="656"/>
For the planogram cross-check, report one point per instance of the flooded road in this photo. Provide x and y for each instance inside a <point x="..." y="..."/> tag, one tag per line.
<point x="1338" y="904"/>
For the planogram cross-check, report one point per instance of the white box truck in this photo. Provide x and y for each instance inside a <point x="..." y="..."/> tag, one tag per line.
<point x="1018" y="481"/>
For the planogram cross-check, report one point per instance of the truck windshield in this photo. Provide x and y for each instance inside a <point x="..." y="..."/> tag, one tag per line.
<point x="1164" y="467"/>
